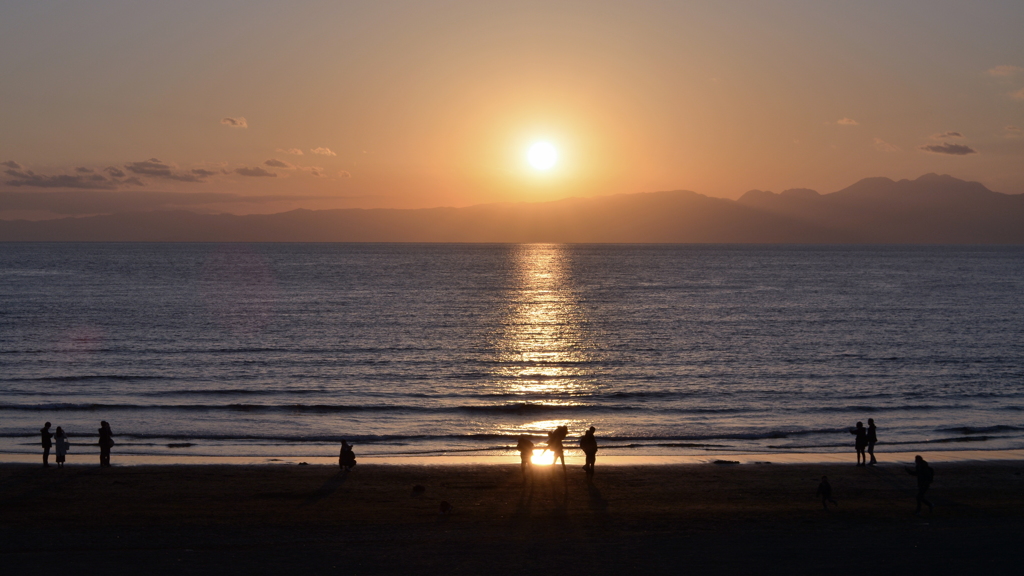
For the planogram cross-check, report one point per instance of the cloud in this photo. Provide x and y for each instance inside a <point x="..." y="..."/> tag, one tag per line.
<point x="312" y="170"/>
<point x="33" y="180"/>
<point x="115" y="172"/>
<point x="1018" y="95"/>
<point x="203" y="173"/>
<point x="883" y="146"/>
<point x="945" y="135"/>
<point x="275" y="163"/>
<point x="234" y="122"/>
<point x="257" y="171"/>
<point x="151" y="167"/>
<point x="11" y="164"/>
<point x="1004" y="71"/>
<point x="344" y="174"/>
<point x="158" y="169"/>
<point x="947" y="148"/>
<point x="295" y="151"/>
<point x="323" y="151"/>
<point x="846" y="122"/>
<point x="83" y="170"/>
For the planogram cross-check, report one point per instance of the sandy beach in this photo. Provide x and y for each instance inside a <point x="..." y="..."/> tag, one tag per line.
<point x="697" y="518"/>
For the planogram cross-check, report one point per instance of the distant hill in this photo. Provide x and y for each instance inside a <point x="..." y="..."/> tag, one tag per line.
<point x="930" y="210"/>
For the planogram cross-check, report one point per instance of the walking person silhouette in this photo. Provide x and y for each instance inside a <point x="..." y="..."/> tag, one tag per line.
<point x="860" y="443"/>
<point x="925" y="475"/>
<point x="47" y="443"/>
<point x="555" y="444"/>
<point x="589" y="446"/>
<point x="872" y="439"/>
<point x="106" y="442"/>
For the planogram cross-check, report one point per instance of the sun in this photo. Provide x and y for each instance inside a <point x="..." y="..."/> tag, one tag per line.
<point x="542" y="156"/>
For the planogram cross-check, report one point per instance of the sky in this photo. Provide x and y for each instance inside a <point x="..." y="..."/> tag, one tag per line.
<point x="263" y="106"/>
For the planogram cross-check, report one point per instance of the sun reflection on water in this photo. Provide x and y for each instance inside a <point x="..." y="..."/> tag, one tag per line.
<point x="543" y="352"/>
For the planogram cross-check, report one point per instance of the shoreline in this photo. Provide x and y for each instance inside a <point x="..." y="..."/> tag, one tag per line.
<point x="839" y="458"/>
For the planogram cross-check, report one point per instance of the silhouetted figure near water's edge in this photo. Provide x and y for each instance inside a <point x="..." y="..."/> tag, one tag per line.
<point x="925" y="475"/>
<point x="62" y="446"/>
<point x="825" y="491"/>
<point x="588" y="444"/>
<point x="347" y="457"/>
<point x="555" y="444"/>
<point x="47" y="443"/>
<point x="860" y="443"/>
<point x="525" y="447"/>
<point x="872" y="439"/>
<point x="106" y="442"/>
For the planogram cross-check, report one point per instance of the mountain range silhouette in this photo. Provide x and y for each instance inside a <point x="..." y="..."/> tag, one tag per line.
<point x="933" y="209"/>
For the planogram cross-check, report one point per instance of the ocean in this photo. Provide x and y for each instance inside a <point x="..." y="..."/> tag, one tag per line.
<point x="281" y="350"/>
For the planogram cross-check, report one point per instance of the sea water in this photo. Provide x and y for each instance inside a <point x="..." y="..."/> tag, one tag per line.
<point x="281" y="350"/>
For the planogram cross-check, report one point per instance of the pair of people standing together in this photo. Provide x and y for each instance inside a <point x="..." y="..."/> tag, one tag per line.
<point x="63" y="445"/>
<point x="48" y="442"/>
<point x="865" y="440"/>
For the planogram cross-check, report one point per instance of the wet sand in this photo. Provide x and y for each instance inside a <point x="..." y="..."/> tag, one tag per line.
<point x="668" y="519"/>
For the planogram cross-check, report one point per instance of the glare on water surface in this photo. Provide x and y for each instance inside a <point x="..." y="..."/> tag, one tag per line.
<point x="543" y="349"/>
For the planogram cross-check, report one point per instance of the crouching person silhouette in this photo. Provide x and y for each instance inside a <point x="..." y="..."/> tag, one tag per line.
<point x="825" y="491"/>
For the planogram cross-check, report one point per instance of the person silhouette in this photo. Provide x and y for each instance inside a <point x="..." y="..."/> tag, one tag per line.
<point x="588" y="444"/>
<point x="525" y="447"/>
<point x="47" y="443"/>
<point x="555" y="444"/>
<point x="62" y="446"/>
<point x="925" y="475"/>
<point x="872" y="439"/>
<point x="347" y="458"/>
<point x="860" y="443"/>
<point x="825" y="491"/>
<point x="106" y="442"/>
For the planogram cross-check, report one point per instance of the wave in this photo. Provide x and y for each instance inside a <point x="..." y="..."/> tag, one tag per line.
<point x="969" y="430"/>
<point x="510" y="408"/>
<point x="89" y="378"/>
<point x="672" y="440"/>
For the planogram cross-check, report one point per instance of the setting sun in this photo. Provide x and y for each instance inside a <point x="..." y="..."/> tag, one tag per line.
<point x="542" y="156"/>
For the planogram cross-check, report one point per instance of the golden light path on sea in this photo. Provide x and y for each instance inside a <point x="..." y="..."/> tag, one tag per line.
<point x="544" y="348"/>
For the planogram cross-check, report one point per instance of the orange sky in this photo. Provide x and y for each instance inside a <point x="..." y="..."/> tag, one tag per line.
<point x="417" y="104"/>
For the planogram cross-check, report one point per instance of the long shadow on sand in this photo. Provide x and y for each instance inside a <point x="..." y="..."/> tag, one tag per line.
<point x="328" y="488"/>
<point x="597" y="502"/>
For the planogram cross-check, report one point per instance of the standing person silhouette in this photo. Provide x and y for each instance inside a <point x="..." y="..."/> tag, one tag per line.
<point x="347" y="457"/>
<point x="872" y="439"/>
<point x="62" y="446"/>
<point x="925" y="475"/>
<point x="825" y="491"/>
<point x="555" y="444"/>
<point x="525" y="447"/>
<point x="106" y="441"/>
<point x="589" y="446"/>
<point x="47" y="443"/>
<point x="860" y="443"/>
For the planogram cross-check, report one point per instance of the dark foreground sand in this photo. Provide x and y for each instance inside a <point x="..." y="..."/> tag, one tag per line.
<point x="693" y="519"/>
